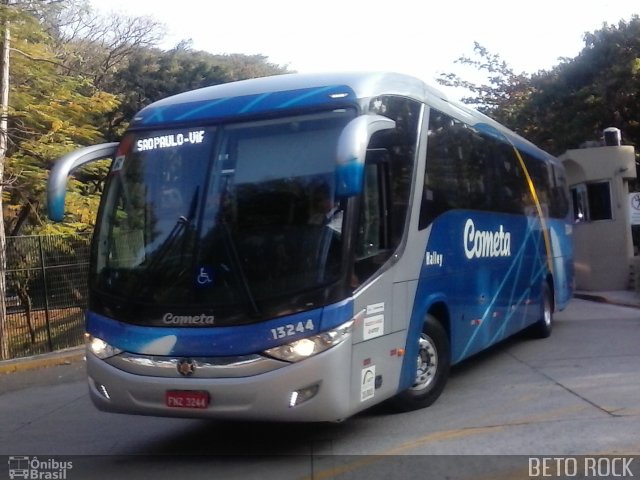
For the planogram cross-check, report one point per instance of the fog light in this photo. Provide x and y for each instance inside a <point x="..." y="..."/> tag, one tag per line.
<point x="102" y="390"/>
<point x="304" y="394"/>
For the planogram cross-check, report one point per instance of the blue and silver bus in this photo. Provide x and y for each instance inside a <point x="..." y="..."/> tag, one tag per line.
<point x="302" y="247"/>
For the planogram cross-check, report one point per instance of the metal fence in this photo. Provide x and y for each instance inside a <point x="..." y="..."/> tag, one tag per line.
<point x="46" y="293"/>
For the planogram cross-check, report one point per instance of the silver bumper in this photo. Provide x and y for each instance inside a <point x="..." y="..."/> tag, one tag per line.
<point x="262" y="395"/>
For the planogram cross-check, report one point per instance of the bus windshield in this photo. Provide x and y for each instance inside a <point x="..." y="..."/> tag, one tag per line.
<point x="222" y="216"/>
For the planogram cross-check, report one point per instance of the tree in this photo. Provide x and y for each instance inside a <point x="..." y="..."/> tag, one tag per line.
<point x="580" y="97"/>
<point x="118" y="54"/>
<point x="571" y="103"/>
<point x="77" y="78"/>
<point x="50" y="113"/>
<point x="98" y="46"/>
<point x="4" y="105"/>
<point x="505" y="91"/>
<point x="153" y="74"/>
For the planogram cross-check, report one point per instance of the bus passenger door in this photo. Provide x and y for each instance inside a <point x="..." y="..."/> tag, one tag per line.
<point x="382" y="283"/>
<point x="375" y="294"/>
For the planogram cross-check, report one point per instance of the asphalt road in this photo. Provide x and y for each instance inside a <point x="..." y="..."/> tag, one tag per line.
<point x="576" y="393"/>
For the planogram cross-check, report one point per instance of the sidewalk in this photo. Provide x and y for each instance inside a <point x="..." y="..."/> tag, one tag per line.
<point x="61" y="357"/>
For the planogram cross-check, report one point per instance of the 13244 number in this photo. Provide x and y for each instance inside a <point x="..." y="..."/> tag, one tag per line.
<point x="291" y="329"/>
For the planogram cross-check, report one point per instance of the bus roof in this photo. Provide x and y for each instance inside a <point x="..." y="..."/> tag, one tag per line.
<point x="281" y="92"/>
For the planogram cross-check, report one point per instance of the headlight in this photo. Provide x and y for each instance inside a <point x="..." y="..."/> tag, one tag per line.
<point x="99" y="347"/>
<point x="307" y="347"/>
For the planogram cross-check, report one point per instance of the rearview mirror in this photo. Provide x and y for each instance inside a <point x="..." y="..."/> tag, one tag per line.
<point x="57" y="183"/>
<point x="352" y="149"/>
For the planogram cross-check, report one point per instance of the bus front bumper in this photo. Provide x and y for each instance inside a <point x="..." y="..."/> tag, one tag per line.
<point x="324" y="379"/>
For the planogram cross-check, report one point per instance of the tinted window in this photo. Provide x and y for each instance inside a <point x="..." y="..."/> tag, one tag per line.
<point x="550" y="185"/>
<point x="466" y="169"/>
<point x="226" y="218"/>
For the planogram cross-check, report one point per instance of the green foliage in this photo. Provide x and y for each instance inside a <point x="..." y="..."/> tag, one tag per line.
<point x="51" y="111"/>
<point x="153" y="74"/>
<point x="77" y="79"/>
<point x="599" y="88"/>
<point x="504" y="90"/>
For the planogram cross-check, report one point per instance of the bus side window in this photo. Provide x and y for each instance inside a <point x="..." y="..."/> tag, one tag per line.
<point x="511" y="192"/>
<point x="468" y="170"/>
<point x="455" y="174"/>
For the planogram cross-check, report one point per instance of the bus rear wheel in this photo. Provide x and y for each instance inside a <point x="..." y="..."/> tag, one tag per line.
<point x="432" y="368"/>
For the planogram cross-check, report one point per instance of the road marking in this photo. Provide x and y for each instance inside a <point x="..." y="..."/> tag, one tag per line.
<point x="403" y="448"/>
<point x="444" y="435"/>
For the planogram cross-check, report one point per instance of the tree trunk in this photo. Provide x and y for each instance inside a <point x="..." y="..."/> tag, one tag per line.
<point x="4" y="107"/>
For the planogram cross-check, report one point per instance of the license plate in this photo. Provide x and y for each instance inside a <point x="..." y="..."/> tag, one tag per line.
<point x="187" y="399"/>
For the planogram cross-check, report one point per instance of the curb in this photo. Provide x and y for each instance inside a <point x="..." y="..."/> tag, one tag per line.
<point x="601" y="299"/>
<point x="591" y="298"/>
<point x="61" y="357"/>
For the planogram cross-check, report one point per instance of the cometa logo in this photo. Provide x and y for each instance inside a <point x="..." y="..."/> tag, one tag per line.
<point x="171" y="319"/>
<point x="483" y="244"/>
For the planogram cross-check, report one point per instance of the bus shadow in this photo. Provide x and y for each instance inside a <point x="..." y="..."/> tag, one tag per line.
<point x="256" y="439"/>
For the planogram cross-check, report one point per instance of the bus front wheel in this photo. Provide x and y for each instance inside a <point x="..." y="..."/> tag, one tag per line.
<point x="432" y="368"/>
<point x="543" y="327"/>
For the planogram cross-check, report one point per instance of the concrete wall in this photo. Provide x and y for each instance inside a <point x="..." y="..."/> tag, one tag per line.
<point x="603" y="249"/>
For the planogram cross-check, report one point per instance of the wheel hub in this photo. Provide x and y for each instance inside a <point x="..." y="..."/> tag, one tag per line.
<point x="426" y="363"/>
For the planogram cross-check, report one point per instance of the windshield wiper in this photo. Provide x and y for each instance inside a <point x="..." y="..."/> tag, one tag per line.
<point x="232" y="254"/>
<point x="179" y="231"/>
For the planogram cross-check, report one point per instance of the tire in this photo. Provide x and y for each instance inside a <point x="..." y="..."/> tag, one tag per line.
<point x="544" y="326"/>
<point x="432" y="369"/>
